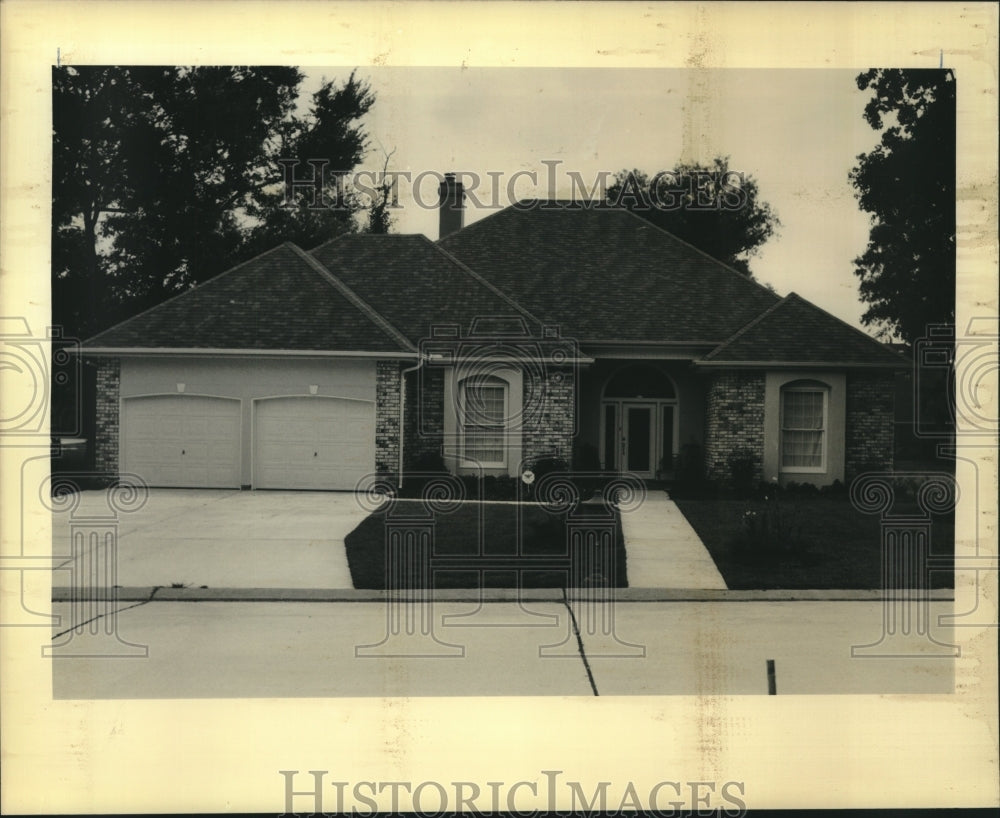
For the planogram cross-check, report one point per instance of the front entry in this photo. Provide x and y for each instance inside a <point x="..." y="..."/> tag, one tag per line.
<point x="638" y="423"/>
<point x="637" y="439"/>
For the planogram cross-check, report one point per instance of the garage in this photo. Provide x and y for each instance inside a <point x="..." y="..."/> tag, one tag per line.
<point x="313" y="442"/>
<point x="182" y="441"/>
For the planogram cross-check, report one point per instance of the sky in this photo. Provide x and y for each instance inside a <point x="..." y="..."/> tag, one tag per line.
<point x="798" y="132"/>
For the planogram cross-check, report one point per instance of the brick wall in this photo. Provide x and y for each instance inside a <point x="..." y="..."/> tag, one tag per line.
<point x="870" y="423"/>
<point x="107" y="426"/>
<point x="387" y="397"/>
<point x="549" y="418"/>
<point x="424" y="422"/>
<point x="734" y="419"/>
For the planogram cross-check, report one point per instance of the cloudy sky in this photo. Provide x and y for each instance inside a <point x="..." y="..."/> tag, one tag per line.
<point x="797" y="132"/>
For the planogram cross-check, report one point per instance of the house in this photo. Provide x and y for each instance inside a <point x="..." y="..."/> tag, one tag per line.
<point x="549" y="329"/>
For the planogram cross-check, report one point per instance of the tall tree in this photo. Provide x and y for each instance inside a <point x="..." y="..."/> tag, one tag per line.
<point x="165" y="176"/>
<point x="907" y="184"/>
<point x="715" y="208"/>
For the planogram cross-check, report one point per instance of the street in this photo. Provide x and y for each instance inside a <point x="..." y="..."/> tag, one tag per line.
<point x="373" y="648"/>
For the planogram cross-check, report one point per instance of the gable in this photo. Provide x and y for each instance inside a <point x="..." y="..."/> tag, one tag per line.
<point x="280" y="300"/>
<point x="416" y="286"/>
<point x="796" y="331"/>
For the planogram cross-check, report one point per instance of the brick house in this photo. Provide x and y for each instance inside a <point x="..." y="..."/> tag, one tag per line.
<point x="546" y="330"/>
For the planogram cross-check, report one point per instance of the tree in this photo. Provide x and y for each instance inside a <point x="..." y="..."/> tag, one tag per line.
<point x="907" y="184"/>
<point x="165" y="176"/>
<point x="716" y="209"/>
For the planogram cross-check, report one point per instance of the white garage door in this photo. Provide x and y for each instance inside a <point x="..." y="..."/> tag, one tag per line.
<point x="182" y="441"/>
<point x="313" y="443"/>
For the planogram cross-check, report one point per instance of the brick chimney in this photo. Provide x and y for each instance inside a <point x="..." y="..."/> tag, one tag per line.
<point x="451" y="199"/>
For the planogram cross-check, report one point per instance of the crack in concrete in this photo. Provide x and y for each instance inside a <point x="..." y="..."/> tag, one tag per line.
<point x="579" y="644"/>
<point x="103" y="615"/>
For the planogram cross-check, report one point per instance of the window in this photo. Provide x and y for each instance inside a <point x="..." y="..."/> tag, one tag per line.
<point x="803" y="428"/>
<point x="484" y="420"/>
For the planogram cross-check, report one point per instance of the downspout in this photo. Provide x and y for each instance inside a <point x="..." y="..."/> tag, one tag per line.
<point x="402" y="414"/>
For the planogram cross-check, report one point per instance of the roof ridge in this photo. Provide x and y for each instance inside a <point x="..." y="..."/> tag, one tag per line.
<point x="480" y="279"/>
<point x="188" y="291"/>
<point x="353" y="297"/>
<point x="698" y="250"/>
<point x="748" y="326"/>
<point x="475" y="224"/>
<point x="336" y="238"/>
<point x="853" y="329"/>
<point x="793" y="297"/>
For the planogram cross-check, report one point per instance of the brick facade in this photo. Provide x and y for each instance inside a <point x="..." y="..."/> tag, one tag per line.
<point x="388" y="379"/>
<point x="734" y="419"/>
<point x="548" y="422"/>
<point x="107" y="426"/>
<point x="424" y="417"/>
<point x="869" y="440"/>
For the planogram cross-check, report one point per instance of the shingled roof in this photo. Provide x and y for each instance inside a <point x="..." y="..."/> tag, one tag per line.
<point x="603" y="273"/>
<point x="416" y="285"/>
<point x="280" y="300"/>
<point x="794" y="331"/>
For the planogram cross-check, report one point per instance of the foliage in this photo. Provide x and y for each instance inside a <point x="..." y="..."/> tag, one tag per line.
<point x="907" y="184"/>
<point x="713" y="207"/>
<point x="166" y="176"/>
<point x="742" y="465"/>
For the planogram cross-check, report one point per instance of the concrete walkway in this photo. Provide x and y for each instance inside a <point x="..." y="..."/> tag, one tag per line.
<point x="663" y="549"/>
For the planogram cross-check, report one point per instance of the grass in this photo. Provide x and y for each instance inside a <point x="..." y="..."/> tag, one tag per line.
<point x="457" y="561"/>
<point x="828" y="544"/>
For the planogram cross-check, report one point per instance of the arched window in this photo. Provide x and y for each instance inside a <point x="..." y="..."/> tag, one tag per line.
<point x="483" y="416"/>
<point x="639" y="381"/>
<point x="804" y="422"/>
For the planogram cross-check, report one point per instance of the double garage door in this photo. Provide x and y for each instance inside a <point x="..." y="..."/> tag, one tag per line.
<point x="297" y="443"/>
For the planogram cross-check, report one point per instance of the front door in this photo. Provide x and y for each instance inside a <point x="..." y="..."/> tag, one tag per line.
<point x="638" y="439"/>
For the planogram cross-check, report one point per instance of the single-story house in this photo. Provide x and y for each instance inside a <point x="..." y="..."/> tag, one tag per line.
<point x="549" y="329"/>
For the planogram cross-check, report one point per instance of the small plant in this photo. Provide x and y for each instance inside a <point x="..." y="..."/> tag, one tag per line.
<point x="770" y="527"/>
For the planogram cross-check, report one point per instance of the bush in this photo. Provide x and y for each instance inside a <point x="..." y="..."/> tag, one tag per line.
<point x="428" y="462"/>
<point x="548" y="465"/>
<point x="742" y="465"/>
<point x="585" y="457"/>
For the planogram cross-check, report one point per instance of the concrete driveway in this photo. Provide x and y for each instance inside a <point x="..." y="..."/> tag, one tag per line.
<point x="223" y="538"/>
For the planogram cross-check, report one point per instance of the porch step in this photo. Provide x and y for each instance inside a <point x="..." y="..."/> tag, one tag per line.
<point x="663" y="550"/>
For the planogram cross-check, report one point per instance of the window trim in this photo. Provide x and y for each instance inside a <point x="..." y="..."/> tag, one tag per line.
<point x="798" y="386"/>
<point x="461" y="422"/>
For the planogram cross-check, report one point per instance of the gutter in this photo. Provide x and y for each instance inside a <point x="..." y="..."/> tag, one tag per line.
<point x="800" y="364"/>
<point x="194" y="352"/>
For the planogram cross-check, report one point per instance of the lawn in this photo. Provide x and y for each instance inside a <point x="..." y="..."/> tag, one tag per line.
<point x="830" y="543"/>
<point x="474" y="538"/>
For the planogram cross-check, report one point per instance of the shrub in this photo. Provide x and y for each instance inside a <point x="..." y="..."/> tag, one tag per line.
<point x="585" y="457"/>
<point x="742" y="464"/>
<point x="428" y="462"/>
<point x="547" y="465"/>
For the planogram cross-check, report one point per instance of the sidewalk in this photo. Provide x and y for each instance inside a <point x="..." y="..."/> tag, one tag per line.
<point x="663" y="549"/>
